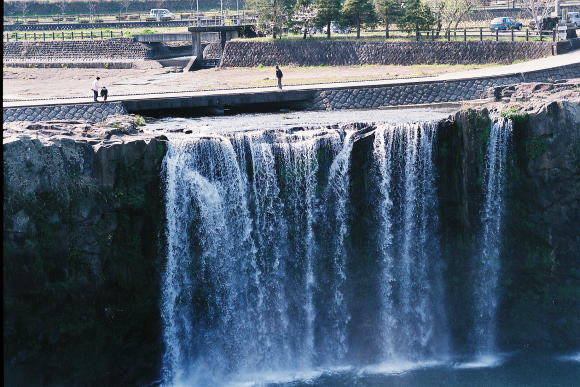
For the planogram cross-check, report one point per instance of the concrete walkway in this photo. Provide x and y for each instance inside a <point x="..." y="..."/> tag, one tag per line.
<point x="534" y="65"/>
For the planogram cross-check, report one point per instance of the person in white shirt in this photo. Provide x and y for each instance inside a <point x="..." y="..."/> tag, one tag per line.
<point x="96" y="87"/>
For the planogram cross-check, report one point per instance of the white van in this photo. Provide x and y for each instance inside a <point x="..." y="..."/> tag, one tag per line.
<point x="161" y="14"/>
<point x="573" y="17"/>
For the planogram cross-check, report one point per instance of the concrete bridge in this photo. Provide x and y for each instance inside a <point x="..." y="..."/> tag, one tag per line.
<point x="225" y="33"/>
<point x="206" y="37"/>
<point x="161" y="38"/>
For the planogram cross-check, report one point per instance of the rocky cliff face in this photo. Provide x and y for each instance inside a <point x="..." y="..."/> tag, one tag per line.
<point x="82" y="212"/>
<point x="542" y="275"/>
<point x="539" y="304"/>
<point x="83" y="221"/>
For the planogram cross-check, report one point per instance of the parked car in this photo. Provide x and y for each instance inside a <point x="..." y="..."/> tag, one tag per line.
<point x="161" y="14"/>
<point x="505" y="23"/>
<point x="573" y="17"/>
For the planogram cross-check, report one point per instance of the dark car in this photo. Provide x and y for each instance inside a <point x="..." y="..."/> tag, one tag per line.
<point x="544" y="23"/>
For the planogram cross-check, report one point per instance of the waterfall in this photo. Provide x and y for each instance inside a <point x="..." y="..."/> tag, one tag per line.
<point x="486" y="268"/>
<point x="412" y="318"/>
<point x="337" y="198"/>
<point x="258" y="233"/>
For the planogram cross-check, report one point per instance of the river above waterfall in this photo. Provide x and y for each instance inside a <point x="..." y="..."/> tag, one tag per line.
<point x="242" y="122"/>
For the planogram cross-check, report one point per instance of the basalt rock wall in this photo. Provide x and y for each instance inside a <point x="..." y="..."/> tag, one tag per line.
<point x="81" y="269"/>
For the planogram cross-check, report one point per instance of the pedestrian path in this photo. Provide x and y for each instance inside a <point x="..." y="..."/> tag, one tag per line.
<point x="524" y="67"/>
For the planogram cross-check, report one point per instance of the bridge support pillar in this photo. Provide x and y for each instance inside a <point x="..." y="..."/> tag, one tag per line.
<point x="196" y="45"/>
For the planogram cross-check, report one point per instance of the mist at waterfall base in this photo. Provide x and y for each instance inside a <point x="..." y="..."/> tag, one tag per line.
<point x="271" y="276"/>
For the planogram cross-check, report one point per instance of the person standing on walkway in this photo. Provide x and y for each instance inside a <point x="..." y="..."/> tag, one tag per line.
<point x="96" y="87"/>
<point x="279" y="75"/>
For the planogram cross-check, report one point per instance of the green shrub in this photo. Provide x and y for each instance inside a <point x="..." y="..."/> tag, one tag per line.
<point x="139" y="120"/>
<point x="515" y="114"/>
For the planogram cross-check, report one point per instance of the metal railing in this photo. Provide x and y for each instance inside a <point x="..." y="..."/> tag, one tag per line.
<point x="59" y="35"/>
<point x="459" y="34"/>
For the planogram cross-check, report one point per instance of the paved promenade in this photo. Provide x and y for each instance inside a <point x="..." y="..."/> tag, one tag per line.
<point x="535" y="65"/>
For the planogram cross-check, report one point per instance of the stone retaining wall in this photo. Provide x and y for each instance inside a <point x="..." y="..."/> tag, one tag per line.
<point x="70" y="65"/>
<point x="94" y="112"/>
<point x="109" y="48"/>
<point x="430" y="92"/>
<point x="212" y="51"/>
<point x="352" y="53"/>
<point x="116" y="48"/>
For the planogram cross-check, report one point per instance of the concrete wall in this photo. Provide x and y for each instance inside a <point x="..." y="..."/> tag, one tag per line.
<point x="349" y="53"/>
<point x="567" y="46"/>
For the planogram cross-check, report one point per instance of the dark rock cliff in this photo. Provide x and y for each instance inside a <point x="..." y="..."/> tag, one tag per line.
<point x="81" y="283"/>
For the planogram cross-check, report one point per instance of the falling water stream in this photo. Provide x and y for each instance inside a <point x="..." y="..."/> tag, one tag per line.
<point x="258" y="262"/>
<point x="486" y="269"/>
<point x="262" y="258"/>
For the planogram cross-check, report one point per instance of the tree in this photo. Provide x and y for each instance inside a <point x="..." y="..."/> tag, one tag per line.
<point x="62" y="6"/>
<point x="272" y="14"/>
<point x="460" y="9"/>
<point x="388" y="11"/>
<point x="23" y="7"/>
<point x="439" y="9"/>
<point x="538" y="9"/>
<point x="327" y="12"/>
<point x="304" y="15"/>
<point x="126" y="4"/>
<point x="357" y="12"/>
<point x="92" y="7"/>
<point x="416" y="16"/>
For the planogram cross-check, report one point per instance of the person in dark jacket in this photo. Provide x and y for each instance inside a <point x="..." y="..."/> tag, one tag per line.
<point x="104" y="93"/>
<point x="279" y="75"/>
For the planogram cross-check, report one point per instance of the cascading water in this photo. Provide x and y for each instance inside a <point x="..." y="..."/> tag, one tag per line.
<point x="412" y="319"/>
<point x="487" y="263"/>
<point x="257" y="269"/>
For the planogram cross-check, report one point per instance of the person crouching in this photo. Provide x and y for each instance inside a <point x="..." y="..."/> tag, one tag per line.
<point x="104" y="93"/>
